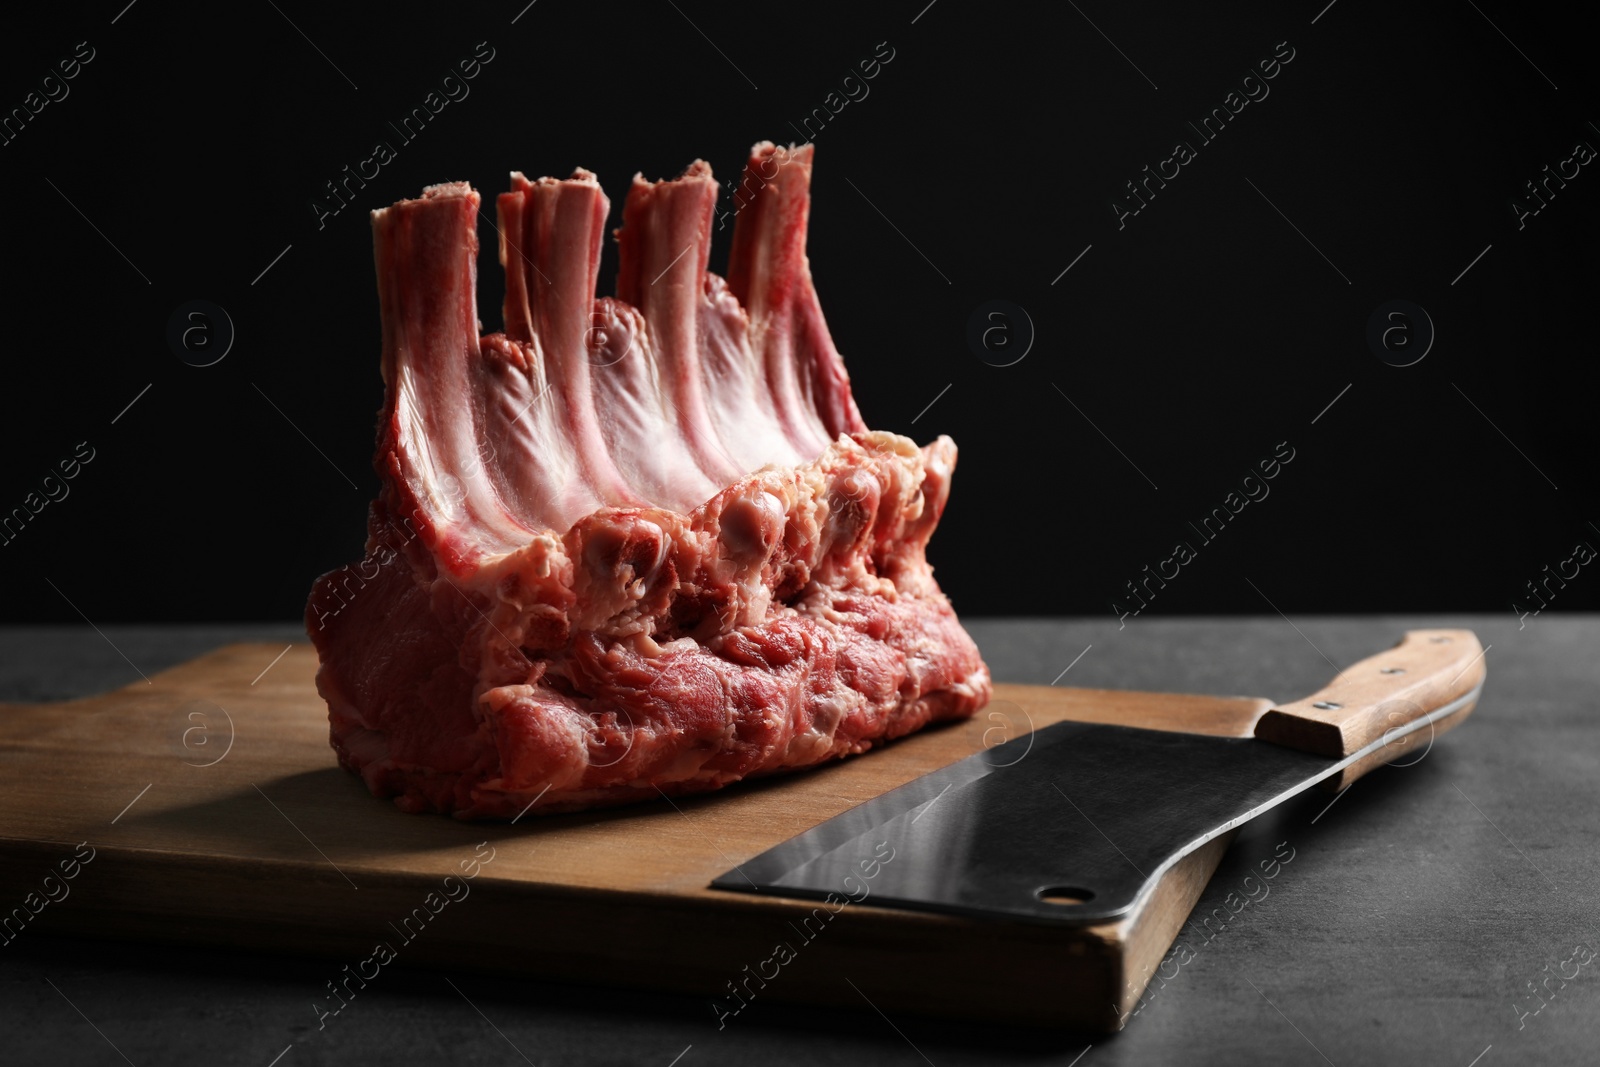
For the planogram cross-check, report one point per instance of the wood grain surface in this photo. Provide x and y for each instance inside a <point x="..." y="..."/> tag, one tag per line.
<point x="218" y="815"/>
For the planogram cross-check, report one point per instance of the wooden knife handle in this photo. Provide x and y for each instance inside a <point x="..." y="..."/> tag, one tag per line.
<point x="1377" y="697"/>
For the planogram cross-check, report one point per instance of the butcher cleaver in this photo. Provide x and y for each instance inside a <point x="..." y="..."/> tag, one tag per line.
<point x="1075" y="823"/>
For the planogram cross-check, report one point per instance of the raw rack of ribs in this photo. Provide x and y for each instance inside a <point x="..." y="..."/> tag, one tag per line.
<point x="633" y="546"/>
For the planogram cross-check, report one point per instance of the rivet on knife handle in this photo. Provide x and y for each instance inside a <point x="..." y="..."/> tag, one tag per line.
<point x="1379" y="696"/>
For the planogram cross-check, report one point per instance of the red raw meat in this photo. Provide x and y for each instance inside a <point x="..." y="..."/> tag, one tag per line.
<point x="629" y="546"/>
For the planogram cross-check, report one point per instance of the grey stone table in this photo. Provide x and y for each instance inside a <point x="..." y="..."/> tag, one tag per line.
<point x="1418" y="918"/>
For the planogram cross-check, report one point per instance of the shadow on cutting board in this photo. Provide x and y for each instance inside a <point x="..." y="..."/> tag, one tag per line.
<point x="333" y="808"/>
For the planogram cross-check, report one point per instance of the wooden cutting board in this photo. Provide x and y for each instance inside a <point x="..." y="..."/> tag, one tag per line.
<point x="217" y="815"/>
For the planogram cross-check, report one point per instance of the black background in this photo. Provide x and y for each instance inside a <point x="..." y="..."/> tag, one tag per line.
<point x="1196" y="339"/>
